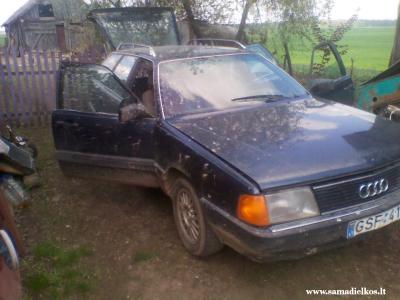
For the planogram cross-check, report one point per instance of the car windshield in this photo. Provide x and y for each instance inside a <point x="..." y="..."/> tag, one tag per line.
<point x="198" y="85"/>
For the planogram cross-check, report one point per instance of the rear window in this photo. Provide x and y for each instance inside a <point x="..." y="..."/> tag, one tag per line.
<point x="111" y="61"/>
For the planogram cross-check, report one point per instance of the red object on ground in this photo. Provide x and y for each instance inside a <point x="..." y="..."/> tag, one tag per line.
<point x="10" y="283"/>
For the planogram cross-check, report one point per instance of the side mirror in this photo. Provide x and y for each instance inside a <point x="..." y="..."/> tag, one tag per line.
<point x="343" y="82"/>
<point x="133" y="111"/>
<point x="321" y="86"/>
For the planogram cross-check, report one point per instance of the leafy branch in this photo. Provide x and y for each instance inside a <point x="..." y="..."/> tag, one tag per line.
<point x="332" y="35"/>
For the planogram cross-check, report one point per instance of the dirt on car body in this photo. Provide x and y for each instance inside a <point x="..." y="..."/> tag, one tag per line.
<point x="136" y="252"/>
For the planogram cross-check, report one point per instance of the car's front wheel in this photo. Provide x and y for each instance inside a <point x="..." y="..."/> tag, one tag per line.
<point x="196" y="235"/>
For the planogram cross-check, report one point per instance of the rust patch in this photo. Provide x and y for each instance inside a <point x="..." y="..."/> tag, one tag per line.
<point x="387" y="99"/>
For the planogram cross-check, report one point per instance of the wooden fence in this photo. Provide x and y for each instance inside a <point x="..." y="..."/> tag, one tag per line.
<point x="28" y="84"/>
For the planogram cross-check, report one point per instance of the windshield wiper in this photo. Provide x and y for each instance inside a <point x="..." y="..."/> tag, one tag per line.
<point x="266" y="98"/>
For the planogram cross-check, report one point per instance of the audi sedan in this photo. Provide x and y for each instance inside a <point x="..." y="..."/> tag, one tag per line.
<point x="249" y="158"/>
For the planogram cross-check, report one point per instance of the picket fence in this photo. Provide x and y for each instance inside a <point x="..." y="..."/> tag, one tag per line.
<point x="28" y="84"/>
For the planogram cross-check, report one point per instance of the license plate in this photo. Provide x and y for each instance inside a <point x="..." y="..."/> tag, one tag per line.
<point x="373" y="222"/>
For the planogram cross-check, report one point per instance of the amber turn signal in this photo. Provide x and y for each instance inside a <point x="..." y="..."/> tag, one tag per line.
<point x="253" y="210"/>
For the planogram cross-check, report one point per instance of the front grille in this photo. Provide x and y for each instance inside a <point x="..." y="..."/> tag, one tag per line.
<point x="345" y="192"/>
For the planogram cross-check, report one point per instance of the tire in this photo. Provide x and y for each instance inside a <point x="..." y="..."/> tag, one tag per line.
<point x="196" y="235"/>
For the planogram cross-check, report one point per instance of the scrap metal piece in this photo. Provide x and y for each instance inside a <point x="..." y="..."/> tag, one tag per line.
<point x="380" y="91"/>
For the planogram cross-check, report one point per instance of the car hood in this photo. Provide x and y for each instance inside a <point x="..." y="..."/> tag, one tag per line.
<point x="295" y="142"/>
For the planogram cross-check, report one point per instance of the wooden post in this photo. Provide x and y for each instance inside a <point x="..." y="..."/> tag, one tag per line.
<point x="34" y="103"/>
<point x="395" y="56"/>
<point x="44" y="111"/>
<point x="20" y="104"/>
<point x="10" y="82"/>
<point x="48" y="100"/>
<point x="4" y="114"/>
<point x="54" y="77"/>
<point x="28" y="91"/>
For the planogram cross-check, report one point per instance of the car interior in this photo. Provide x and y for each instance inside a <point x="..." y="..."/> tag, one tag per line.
<point x="142" y="85"/>
<point x="139" y="81"/>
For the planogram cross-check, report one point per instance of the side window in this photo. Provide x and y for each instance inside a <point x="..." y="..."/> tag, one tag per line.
<point x="92" y="88"/>
<point x="143" y="85"/>
<point x="125" y="67"/>
<point x="142" y="78"/>
<point x="112" y="61"/>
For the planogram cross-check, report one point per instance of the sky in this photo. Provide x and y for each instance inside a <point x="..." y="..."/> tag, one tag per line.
<point x="369" y="9"/>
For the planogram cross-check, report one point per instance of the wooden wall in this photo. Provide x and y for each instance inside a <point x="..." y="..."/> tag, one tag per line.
<point x="31" y="32"/>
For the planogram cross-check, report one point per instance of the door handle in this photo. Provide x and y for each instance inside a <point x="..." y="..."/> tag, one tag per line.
<point x="67" y="123"/>
<point x="70" y="123"/>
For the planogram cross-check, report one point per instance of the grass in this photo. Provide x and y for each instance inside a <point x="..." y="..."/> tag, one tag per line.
<point x="369" y="47"/>
<point x="53" y="269"/>
<point x="369" y="51"/>
<point x="142" y="256"/>
<point x="56" y="272"/>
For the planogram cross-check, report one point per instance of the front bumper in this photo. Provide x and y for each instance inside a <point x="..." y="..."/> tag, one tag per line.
<point x="296" y="239"/>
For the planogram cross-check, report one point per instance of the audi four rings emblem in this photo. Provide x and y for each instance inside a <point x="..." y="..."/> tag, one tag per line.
<point x="372" y="189"/>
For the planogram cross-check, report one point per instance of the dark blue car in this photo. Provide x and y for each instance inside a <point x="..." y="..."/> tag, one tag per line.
<point x="249" y="158"/>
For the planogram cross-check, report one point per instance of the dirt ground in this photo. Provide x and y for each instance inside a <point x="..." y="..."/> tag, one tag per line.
<point x="137" y="253"/>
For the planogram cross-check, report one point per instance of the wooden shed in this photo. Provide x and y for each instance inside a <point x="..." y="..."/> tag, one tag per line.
<point x="47" y="25"/>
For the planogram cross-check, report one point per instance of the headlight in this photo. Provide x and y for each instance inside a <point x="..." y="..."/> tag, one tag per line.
<point x="4" y="148"/>
<point x="291" y="205"/>
<point x="284" y="206"/>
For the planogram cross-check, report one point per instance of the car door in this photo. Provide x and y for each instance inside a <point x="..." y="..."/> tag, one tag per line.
<point x="328" y="77"/>
<point x="90" y="141"/>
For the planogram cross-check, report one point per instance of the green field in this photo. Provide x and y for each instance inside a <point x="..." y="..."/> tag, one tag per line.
<point x="369" y="49"/>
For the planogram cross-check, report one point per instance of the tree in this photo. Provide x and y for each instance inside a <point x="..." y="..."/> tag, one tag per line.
<point x="289" y="20"/>
<point x="187" y="6"/>
<point x="395" y="56"/>
<point x="240" y="36"/>
<point x="201" y="10"/>
<point x="108" y="3"/>
<point x="293" y="16"/>
<point x="331" y="35"/>
<point x="194" y="11"/>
